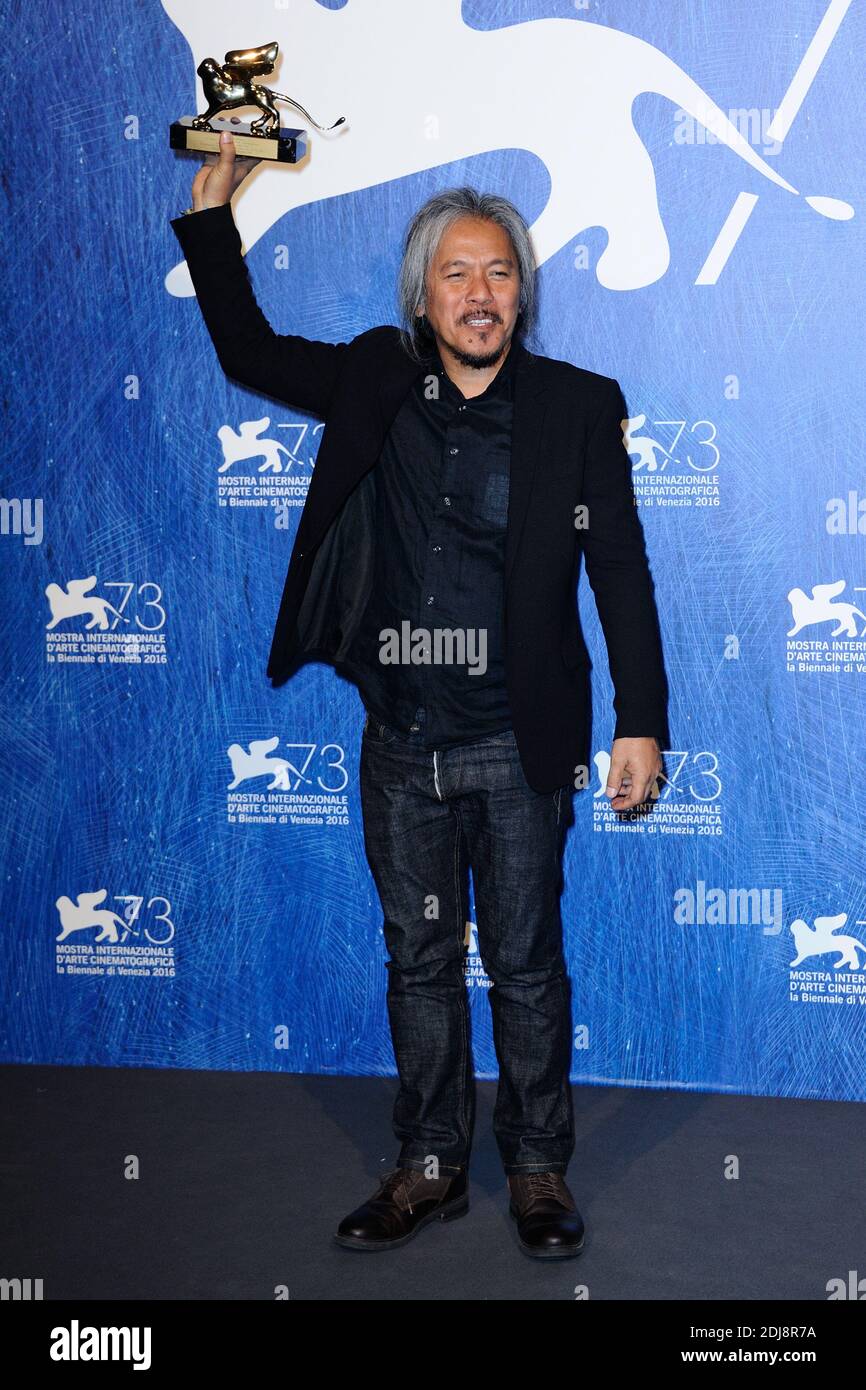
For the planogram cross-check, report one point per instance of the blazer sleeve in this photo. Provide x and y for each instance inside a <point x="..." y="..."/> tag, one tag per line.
<point x="619" y="576"/>
<point x="300" y="371"/>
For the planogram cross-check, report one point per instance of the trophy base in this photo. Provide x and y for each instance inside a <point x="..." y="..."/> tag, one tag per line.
<point x="285" y="145"/>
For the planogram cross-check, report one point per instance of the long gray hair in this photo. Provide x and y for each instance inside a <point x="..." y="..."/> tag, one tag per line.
<point x="423" y="236"/>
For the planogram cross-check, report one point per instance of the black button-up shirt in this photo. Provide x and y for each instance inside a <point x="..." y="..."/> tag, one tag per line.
<point x="442" y="508"/>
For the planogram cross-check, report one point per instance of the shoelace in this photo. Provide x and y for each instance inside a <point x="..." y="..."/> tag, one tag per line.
<point x="404" y="1179"/>
<point x="393" y="1182"/>
<point x="543" y="1185"/>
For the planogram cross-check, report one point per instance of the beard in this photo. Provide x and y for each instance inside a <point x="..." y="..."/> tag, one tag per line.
<point x="480" y="361"/>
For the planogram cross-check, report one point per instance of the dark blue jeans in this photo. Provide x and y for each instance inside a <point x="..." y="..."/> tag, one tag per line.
<point x="428" y="817"/>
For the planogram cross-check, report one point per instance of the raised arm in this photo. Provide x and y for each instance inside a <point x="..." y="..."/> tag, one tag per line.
<point x="300" y="371"/>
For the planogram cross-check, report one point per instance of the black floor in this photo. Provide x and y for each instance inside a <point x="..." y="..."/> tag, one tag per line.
<point x="243" y="1177"/>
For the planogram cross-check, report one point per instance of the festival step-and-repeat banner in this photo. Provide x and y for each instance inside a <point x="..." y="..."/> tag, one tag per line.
<point x="185" y="883"/>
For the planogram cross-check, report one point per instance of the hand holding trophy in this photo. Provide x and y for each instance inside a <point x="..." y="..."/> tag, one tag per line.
<point x="221" y="175"/>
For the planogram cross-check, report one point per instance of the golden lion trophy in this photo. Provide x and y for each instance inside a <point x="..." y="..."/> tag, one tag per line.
<point x="231" y="84"/>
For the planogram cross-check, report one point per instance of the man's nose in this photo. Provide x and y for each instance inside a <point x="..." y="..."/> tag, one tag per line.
<point x="478" y="291"/>
<point x="480" y="298"/>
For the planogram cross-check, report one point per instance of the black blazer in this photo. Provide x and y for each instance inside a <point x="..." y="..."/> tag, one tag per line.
<point x="567" y="451"/>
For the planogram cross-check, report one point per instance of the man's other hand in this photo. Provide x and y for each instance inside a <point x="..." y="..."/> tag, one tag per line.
<point x="635" y="763"/>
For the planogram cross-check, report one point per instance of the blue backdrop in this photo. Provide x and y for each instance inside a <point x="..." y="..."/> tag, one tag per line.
<point x="174" y="897"/>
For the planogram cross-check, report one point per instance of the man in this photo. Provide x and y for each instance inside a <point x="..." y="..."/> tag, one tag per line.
<point x="459" y="479"/>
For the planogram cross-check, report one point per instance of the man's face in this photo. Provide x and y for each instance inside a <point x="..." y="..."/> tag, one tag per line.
<point x="473" y="291"/>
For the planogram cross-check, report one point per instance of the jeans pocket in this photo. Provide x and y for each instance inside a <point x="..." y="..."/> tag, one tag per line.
<point x="378" y="732"/>
<point x="506" y="737"/>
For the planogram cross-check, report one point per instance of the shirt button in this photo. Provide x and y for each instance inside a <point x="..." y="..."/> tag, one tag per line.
<point x="461" y="407"/>
<point x="437" y="548"/>
<point x="429" y="599"/>
<point x="447" y="501"/>
<point x="454" y="450"/>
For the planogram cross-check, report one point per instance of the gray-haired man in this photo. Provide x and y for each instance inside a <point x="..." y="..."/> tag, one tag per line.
<point x="445" y="501"/>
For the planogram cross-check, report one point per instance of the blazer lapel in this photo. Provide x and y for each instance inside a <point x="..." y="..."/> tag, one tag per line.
<point x="527" y="423"/>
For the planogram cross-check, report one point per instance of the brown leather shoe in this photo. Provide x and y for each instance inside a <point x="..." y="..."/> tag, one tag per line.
<point x="549" y="1225"/>
<point x="404" y="1202"/>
